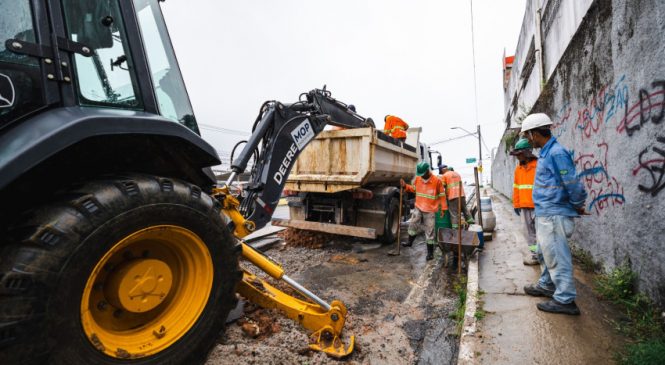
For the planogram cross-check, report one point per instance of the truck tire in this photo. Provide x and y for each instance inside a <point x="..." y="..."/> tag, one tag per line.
<point x="124" y="270"/>
<point x="392" y="222"/>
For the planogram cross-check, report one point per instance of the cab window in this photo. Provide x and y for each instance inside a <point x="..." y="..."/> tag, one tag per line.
<point x="106" y="78"/>
<point x="20" y="78"/>
<point x="170" y="91"/>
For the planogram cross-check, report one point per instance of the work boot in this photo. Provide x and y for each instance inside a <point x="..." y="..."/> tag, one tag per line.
<point x="530" y="260"/>
<point x="553" y="306"/>
<point x="430" y="252"/>
<point x="410" y="242"/>
<point x="536" y="290"/>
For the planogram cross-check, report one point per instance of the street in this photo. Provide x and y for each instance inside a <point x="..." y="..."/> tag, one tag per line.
<point x="398" y="306"/>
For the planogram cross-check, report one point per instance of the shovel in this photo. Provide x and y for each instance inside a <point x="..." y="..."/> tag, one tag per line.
<point x="396" y="251"/>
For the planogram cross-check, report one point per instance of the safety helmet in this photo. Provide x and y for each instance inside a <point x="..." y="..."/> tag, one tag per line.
<point x="521" y="145"/>
<point x="443" y="166"/>
<point x="536" y="120"/>
<point x="422" y="168"/>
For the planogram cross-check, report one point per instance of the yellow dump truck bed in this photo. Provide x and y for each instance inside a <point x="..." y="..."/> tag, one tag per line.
<point x="339" y="160"/>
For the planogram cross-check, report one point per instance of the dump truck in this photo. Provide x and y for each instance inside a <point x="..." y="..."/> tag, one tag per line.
<point x="347" y="182"/>
<point x="116" y="244"/>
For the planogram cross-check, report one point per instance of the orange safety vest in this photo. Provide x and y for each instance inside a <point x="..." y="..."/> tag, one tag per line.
<point x="429" y="194"/>
<point x="452" y="181"/>
<point x="523" y="185"/>
<point x="395" y="127"/>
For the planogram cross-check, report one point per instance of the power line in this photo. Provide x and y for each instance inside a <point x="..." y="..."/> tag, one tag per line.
<point x="473" y="50"/>
<point x="213" y="128"/>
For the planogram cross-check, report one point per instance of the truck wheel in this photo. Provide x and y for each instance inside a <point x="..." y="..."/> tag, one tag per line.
<point x="392" y="222"/>
<point x="133" y="270"/>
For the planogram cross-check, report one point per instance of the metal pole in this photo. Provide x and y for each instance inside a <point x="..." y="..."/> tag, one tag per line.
<point x="294" y="284"/>
<point x="480" y="151"/>
<point x="480" y="214"/>
<point x="459" y="230"/>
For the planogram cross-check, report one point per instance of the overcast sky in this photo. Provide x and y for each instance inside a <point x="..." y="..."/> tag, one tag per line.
<point x="412" y="59"/>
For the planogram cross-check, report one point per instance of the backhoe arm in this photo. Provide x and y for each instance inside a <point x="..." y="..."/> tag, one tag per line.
<point x="280" y="134"/>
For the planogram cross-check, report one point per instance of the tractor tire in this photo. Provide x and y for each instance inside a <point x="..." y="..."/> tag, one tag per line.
<point x="135" y="269"/>
<point x="391" y="222"/>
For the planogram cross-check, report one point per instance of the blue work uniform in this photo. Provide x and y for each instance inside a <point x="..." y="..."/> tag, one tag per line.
<point x="557" y="190"/>
<point x="557" y="193"/>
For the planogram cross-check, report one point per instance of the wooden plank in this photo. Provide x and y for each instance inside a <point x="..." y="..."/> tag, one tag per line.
<point x="363" y="232"/>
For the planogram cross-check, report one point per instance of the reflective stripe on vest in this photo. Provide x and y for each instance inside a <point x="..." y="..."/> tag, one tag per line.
<point x="426" y="196"/>
<point x="523" y="186"/>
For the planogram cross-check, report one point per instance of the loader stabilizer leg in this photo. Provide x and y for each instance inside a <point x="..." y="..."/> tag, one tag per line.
<point x="325" y="320"/>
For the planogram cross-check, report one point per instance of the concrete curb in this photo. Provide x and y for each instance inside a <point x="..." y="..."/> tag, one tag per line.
<point x="466" y="354"/>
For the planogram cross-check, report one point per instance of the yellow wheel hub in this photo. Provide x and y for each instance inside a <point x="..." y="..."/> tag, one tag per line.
<point x="146" y="292"/>
<point x="140" y="285"/>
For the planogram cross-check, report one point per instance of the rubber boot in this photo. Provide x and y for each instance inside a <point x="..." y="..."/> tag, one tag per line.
<point x="410" y="242"/>
<point x="430" y="252"/>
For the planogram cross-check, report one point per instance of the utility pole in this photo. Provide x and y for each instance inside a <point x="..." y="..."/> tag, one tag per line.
<point x="480" y="154"/>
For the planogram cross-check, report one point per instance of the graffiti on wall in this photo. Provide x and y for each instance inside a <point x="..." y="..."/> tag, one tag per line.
<point x="604" y="191"/>
<point x="561" y="119"/>
<point x="650" y="107"/>
<point x="653" y="163"/>
<point x="604" y="105"/>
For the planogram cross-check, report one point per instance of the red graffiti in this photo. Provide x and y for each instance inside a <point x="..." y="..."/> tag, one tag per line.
<point x="590" y="118"/>
<point x="649" y="108"/>
<point x="604" y="190"/>
<point x="559" y="127"/>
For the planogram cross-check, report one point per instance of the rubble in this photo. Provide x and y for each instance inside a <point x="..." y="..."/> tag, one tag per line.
<point x="301" y="238"/>
<point x="376" y="289"/>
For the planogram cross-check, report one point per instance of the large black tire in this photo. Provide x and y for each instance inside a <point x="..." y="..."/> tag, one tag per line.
<point x="47" y="259"/>
<point x="391" y="222"/>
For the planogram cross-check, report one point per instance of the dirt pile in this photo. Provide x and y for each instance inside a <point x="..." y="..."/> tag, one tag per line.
<point x="259" y="323"/>
<point x="302" y="238"/>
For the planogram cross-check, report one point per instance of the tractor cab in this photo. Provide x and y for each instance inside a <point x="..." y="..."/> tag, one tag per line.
<point x="113" y="54"/>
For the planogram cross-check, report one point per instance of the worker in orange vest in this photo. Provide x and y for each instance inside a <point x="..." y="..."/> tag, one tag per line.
<point x="525" y="174"/>
<point x="452" y="182"/>
<point x="429" y="196"/>
<point x="395" y="127"/>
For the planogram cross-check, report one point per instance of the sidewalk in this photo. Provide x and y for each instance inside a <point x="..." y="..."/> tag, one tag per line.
<point x="513" y="330"/>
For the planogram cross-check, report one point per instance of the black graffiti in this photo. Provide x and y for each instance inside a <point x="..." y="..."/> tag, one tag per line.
<point x="651" y="107"/>
<point x="655" y="167"/>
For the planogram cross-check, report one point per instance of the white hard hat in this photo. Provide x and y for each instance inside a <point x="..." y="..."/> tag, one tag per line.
<point x="537" y="120"/>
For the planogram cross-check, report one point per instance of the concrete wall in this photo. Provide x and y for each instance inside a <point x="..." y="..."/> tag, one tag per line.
<point x="607" y="98"/>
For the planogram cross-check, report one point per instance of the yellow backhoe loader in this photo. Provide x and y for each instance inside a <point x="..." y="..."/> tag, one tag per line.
<point x="116" y="244"/>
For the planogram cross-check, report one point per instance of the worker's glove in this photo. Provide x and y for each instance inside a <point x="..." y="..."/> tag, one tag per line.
<point x="517" y="211"/>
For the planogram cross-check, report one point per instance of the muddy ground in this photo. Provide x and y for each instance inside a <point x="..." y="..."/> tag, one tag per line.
<point x="399" y="308"/>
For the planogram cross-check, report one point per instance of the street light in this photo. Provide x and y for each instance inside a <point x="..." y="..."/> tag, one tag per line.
<point x="480" y="148"/>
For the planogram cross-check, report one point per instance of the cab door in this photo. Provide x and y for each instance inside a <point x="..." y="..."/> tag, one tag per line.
<point x="24" y="32"/>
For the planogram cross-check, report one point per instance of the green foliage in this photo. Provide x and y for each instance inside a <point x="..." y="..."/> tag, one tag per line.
<point x="458" y="315"/>
<point x="617" y="285"/>
<point x="480" y="313"/>
<point x="645" y="353"/>
<point x="642" y="322"/>
<point x="585" y="260"/>
<point x="509" y="139"/>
